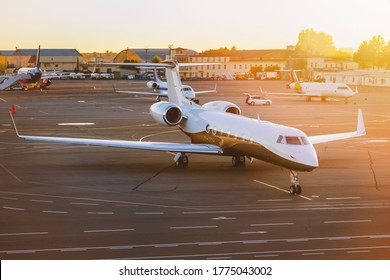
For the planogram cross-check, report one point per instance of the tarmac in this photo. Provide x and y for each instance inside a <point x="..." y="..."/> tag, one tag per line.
<point x="60" y="201"/>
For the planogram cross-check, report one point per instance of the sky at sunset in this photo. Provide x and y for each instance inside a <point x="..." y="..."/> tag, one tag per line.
<point x="196" y="24"/>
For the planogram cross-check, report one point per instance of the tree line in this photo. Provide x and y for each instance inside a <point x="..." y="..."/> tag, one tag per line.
<point x="373" y="53"/>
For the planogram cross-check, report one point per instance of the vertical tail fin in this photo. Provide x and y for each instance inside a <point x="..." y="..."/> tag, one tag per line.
<point x="294" y="76"/>
<point x="155" y="76"/>
<point x="38" y="60"/>
<point x="175" y="88"/>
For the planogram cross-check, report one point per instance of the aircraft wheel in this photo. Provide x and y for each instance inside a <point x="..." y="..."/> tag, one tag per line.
<point x="238" y="161"/>
<point x="182" y="162"/>
<point x="298" y="189"/>
<point x="292" y="190"/>
<point x="252" y="103"/>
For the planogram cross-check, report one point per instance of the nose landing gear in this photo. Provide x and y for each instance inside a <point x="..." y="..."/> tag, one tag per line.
<point x="295" y="188"/>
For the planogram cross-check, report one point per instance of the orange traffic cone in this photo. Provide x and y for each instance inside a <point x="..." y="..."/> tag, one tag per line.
<point x="13" y="109"/>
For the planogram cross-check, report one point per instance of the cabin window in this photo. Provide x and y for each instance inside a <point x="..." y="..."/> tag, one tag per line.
<point x="342" y="88"/>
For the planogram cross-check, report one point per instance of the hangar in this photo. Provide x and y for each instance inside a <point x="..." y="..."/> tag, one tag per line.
<point x="51" y="59"/>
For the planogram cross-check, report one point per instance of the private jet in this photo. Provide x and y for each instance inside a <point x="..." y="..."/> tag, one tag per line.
<point x="218" y="128"/>
<point x="323" y="91"/>
<point x="161" y="90"/>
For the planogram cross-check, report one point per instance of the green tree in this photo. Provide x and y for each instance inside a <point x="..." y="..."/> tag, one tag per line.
<point x="373" y="53"/>
<point x="156" y="59"/>
<point x="255" y="69"/>
<point x="318" y="44"/>
<point x="386" y="55"/>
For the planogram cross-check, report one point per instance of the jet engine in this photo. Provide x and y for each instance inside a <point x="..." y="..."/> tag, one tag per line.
<point x="153" y="85"/>
<point x="166" y="113"/>
<point x="223" y="106"/>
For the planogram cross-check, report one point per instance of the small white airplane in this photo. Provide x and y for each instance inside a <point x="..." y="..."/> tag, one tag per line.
<point x="161" y="89"/>
<point x="318" y="90"/>
<point x="218" y="128"/>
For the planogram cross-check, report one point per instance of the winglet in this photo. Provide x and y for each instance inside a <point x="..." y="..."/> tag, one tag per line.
<point x="13" y="123"/>
<point x="361" y="129"/>
<point x="356" y="91"/>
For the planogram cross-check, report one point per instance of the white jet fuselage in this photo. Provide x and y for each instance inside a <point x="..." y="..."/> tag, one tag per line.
<point x="238" y="135"/>
<point x="340" y="90"/>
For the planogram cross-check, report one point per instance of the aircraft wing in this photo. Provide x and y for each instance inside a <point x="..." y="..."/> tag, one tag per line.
<point x="163" y="94"/>
<point x="207" y="91"/>
<point x="154" y="146"/>
<point x="360" y="131"/>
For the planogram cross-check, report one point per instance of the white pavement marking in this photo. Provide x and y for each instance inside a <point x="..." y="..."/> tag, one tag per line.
<point x="279" y="189"/>
<point x="55" y="212"/>
<point x="149" y="213"/>
<point x="13" y="208"/>
<point x="101" y="213"/>
<point x="313" y="254"/>
<point x="341" y="198"/>
<point x="274" y="224"/>
<point x="349" y="221"/>
<point x="84" y="203"/>
<point x="267" y="256"/>
<point x="193" y="227"/>
<point x="358" y="251"/>
<point x="77" y="124"/>
<point x="274" y="200"/>
<point x="24" y="233"/>
<point x="12" y="174"/>
<point x="108" y="230"/>
<point x="41" y="201"/>
<point x="223" y="218"/>
<point x="10" y="198"/>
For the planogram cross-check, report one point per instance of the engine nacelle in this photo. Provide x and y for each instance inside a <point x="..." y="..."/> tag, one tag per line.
<point x="166" y="113"/>
<point x="152" y="85"/>
<point x="223" y="106"/>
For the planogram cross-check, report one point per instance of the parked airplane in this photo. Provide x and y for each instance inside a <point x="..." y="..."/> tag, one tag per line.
<point x="28" y="76"/>
<point x="218" y="128"/>
<point x="161" y="89"/>
<point x="318" y="90"/>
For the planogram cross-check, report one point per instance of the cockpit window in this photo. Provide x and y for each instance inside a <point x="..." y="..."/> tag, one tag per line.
<point x="280" y="140"/>
<point x="342" y="88"/>
<point x="293" y="140"/>
<point x="304" y="140"/>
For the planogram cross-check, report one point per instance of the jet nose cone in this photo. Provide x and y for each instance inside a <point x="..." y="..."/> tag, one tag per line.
<point x="311" y="159"/>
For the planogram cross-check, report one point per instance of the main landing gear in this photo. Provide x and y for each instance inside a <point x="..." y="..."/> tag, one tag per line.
<point x="295" y="188"/>
<point x="181" y="160"/>
<point x="238" y="161"/>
